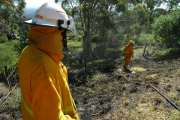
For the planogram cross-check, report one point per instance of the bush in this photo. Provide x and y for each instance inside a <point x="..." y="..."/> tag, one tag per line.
<point x="8" y="54"/>
<point x="167" y="27"/>
<point x="165" y="54"/>
<point x="145" y="38"/>
<point x="3" y="38"/>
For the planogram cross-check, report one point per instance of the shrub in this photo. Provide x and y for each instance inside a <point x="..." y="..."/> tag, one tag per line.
<point x="3" y="38"/>
<point x="8" y="54"/>
<point x="167" y="27"/>
<point x="145" y="38"/>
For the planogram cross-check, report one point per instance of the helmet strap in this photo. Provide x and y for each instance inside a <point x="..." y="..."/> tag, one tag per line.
<point x="64" y="39"/>
<point x="60" y="22"/>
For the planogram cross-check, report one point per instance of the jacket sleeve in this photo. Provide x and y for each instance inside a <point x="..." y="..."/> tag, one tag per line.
<point x="46" y="100"/>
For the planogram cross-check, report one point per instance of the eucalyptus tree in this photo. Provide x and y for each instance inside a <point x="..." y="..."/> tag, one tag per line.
<point x="11" y="20"/>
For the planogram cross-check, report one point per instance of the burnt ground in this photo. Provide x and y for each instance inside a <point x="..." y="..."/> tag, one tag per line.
<point x="118" y="95"/>
<point x="124" y="96"/>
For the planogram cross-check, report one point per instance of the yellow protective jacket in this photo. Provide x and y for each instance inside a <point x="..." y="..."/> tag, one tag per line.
<point x="43" y="78"/>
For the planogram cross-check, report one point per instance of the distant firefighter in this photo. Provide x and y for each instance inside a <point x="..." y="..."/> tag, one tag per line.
<point x="128" y="55"/>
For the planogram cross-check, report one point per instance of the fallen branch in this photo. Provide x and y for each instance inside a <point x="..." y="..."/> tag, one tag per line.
<point x="9" y="76"/>
<point x="166" y="98"/>
<point x="172" y="103"/>
<point x="3" y="100"/>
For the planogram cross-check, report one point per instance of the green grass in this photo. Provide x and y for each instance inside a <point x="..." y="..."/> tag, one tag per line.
<point x="175" y="115"/>
<point x="74" y="43"/>
<point x="8" y="54"/>
<point x="3" y="38"/>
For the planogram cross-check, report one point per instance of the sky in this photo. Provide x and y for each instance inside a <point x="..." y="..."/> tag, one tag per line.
<point x="36" y="3"/>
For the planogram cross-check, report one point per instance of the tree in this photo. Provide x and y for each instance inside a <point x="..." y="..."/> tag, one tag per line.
<point x="172" y="4"/>
<point x="167" y="27"/>
<point x="11" y="20"/>
<point x="95" y="20"/>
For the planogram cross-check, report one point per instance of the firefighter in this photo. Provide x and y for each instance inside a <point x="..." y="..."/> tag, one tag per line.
<point x="43" y="77"/>
<point x="128" y="55"/>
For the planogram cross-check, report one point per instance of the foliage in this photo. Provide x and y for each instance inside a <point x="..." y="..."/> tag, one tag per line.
<point x="3" y="38"/>
<point x="11" y="33"/>
<point x="173" y="4"/>
<point x="11" y="21"/>
<point x="101" y="22"/>
<point x="167" y="27"/>
<point x="145" y="38"/>
<point x="165" y="54"/>
<point x="8" y="54"/>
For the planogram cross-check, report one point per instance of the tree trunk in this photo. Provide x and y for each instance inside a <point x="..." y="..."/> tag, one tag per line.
<point x="87" y="47"/>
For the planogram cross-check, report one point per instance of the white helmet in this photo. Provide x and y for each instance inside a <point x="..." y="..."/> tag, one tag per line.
<point x="52" y="15"/>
